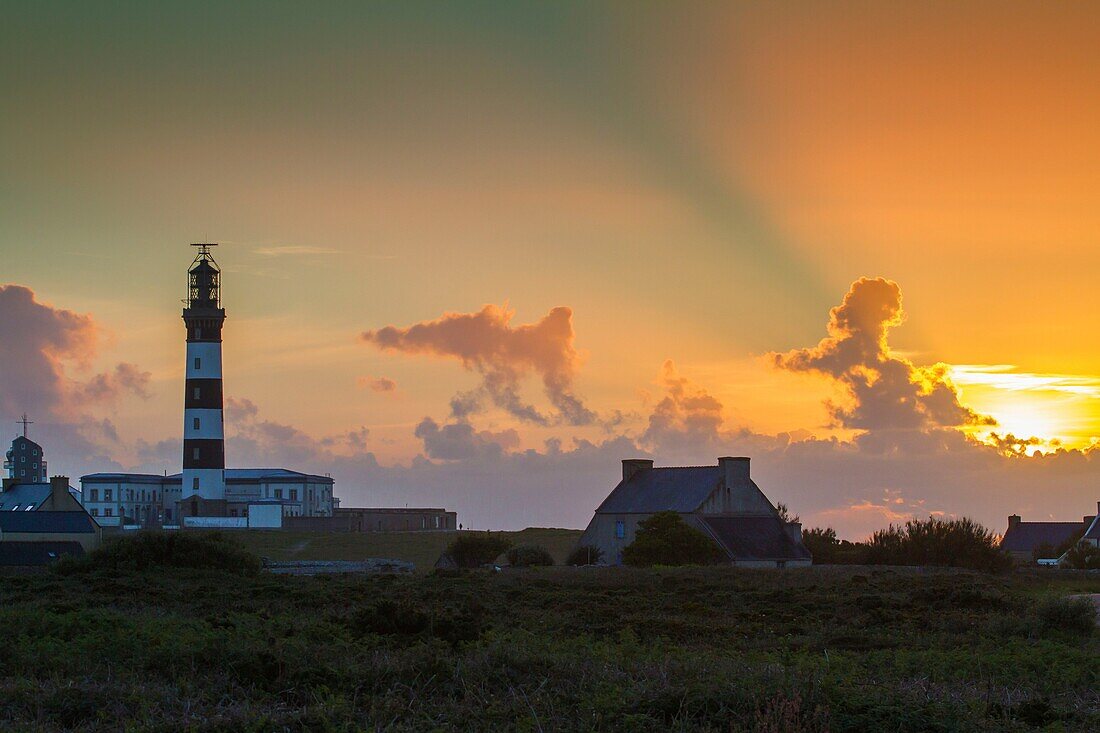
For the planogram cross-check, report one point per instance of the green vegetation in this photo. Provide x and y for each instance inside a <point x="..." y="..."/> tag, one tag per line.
<point x="474" y="549"/>
<point x="584" y="555"/>
<point x="1083" y="556"/>
<point x="167" y="550"/>
<point x="839" y="648"/>
<point x="420" y="548"/>
<point x="528" y="556"/>
<point x="960" y="543"/>
<point x="665" y="539"/>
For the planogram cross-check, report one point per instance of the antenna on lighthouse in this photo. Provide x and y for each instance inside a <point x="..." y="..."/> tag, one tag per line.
<point x="26" y="421"/>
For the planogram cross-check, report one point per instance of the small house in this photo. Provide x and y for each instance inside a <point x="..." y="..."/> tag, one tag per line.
<point x="721" y="501"/>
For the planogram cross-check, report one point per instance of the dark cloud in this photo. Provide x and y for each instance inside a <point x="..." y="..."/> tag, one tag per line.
<point x="503" y="354"/>
<point x="886" y="390"/>
<point x="460" y="441"/>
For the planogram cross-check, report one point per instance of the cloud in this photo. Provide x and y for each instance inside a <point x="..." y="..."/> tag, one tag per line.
<point x="486" y="342"/>
<point x="126" y="378"/>
<point x="886" y="391"/>
<point x="460" y="441"/>
<point x="378" y="384"/>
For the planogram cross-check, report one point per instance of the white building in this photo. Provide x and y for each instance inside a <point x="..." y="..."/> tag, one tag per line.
<point x="148" y="500"/>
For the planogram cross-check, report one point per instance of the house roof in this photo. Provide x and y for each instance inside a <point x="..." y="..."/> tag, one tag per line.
<point x="47" y="522"/>
<point x="36" y="553"/>
<point x="680" y="489"/>
<point x="1093" y="532"/>
<point x="28" y="494"/>
<point x="232" y="475"/>
<point x="752" y="538"/>
<point x="1026" y="536"/>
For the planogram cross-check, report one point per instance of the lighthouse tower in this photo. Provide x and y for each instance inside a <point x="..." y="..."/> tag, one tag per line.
<point x="203" y="487"/>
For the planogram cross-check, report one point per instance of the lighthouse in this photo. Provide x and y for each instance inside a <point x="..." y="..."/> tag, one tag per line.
<point x="203" y="477"/>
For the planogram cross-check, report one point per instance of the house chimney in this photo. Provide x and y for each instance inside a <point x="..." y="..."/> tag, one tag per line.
<point x="632" y="466"/>
<point x="1013" y="521"/>
<point x="794" y="531"/>
<point x="734" y="470"/>
<point x="59" y="487"/>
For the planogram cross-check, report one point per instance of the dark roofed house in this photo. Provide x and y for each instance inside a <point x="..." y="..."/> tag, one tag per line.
<point x="50" y="526"/>
<point x="36" y="554"/>
<point x="721" y="501"/>
<point x="1022" y="539"/>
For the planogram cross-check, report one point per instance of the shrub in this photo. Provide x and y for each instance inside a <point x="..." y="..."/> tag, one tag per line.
<point x="822" y="544"/>
<point x="585" y="555"/>
<point x="1083" y="556"/>
<point x="1071" y="615"/>
<point x="471" y="550"/>
<point x="665" y="539"/>
<point x="526" y="556"/>
<point x="195" y="550"/>
<point x="951" y="543"/>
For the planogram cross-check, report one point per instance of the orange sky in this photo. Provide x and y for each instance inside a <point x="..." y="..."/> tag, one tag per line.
<point x="695" y="183"/>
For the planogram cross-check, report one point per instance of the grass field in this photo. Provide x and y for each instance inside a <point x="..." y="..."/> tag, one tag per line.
<point x="419" y="548"/>
<point x="100" y="647"/>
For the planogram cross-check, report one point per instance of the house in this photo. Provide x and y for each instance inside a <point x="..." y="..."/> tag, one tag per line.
<point x="1022" y="539"/>
<point x="25" y="460"/>
<point x="50" y="527"/>
<point x="721" y="501"/>
<point x="28" y="496"/>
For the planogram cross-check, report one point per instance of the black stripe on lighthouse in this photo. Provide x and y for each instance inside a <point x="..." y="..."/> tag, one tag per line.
<point x="203" y="453"/>
<point x="203" y="394"/>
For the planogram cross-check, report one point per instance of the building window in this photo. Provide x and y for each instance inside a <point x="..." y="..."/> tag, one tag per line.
<point x="28" y="507"/>
<point x="22" y="472"/>
<point x="195" y="483"/>
<point x="198" y="332"/>
<point x="620" y="529"/>
<point x="34" y="452"/>
<point x="95" y="512"/>
<point x="22" y="459"/>
<point x="196" y="422"/>
<point x="168" y="515"/>
<point x="108" y="512"/>
<point x="195" y="454"/>
<point x="294" y="494"/>
<point x="198" y="363"/>
<point x="35" y="466"/>
<point x="15" y="508"/>
<point x="95" y="494"/>
<point x="107" y="495"/>
<point x="278" y="493"/>
<point x="197" y="391"/>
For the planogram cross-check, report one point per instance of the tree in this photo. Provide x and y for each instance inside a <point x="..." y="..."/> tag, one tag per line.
<point x="952" y="543"/>
<point x="665" y="539"/>
<point x="526" y="556"/>
<point x="474" y="549"/>
<point x="785" y="514"/>
<point x="585" y="555"/>
<point x="822" y="544"/>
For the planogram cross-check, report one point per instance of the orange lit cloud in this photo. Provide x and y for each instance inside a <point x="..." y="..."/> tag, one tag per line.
<point x="487" y="342"/>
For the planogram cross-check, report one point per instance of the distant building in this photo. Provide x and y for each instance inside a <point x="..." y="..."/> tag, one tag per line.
<point x="1022" y="539"/>
<point x="25" y="460"/>
<point x="379" y="519"/>
<point x="721" y="501"/>
<point x="149" y="500"/>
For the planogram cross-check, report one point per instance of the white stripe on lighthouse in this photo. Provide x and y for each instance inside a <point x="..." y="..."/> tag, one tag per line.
<point x="204" y="360"/>
<point x="202" y="423"/>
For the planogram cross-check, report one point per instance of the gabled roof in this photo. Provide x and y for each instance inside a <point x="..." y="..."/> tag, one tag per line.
<point x="33" y="494"/>
<point x="1026" y="536"/>
<point x="680" y="489"/>
<point x="232" y="475"/>
<point x="752" y="538"/>
<point x="48" y="522"/>
<point x="36" y="553"/>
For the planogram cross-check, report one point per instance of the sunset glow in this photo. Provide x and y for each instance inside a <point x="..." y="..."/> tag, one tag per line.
<point x="476" y="259"/>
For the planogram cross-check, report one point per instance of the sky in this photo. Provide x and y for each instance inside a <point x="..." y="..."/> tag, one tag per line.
<point x="477" y="253"/>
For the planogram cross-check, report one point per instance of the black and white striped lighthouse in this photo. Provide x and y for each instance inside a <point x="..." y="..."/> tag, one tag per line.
<point x="203" y="435"/>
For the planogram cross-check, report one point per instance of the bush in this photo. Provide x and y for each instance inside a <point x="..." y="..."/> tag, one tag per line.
<point x="145" y="550"/>
<point x="471" y="550"/>
<point x="1083" y="556"/>
<point x="665" y="539"/>
<point x="526" y="556"/>
<point x="585" y="555"/>
<point x="1071" y="615"/>
<point x="950" y="543"/>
